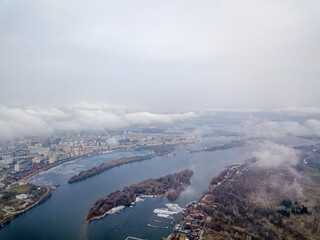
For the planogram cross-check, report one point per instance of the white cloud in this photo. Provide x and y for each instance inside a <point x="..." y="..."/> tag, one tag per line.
<point x="277" y="129"/>
<point x="272" y="155"/>
<point x="138" y="118"/>
<point x="18" y="122"/>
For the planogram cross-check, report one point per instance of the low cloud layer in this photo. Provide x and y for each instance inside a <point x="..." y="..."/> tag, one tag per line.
<point x="275" y="129"/>
<point x="272" y="155"/>
<point x="271" y="152"/>
<point x="19" y="122"/>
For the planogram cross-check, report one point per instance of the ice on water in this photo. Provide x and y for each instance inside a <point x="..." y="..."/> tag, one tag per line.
<point x="171" y="209"/>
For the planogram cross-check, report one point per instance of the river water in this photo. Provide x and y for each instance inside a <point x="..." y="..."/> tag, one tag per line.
<point x="61" y="216"/>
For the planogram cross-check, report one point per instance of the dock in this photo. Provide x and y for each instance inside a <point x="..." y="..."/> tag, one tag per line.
<point x="155" y="226"/>
<point x="134" y="238"/>
<point x="163" y="222"/>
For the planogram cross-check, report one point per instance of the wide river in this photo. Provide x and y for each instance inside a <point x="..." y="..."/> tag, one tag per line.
<point x="61" y="216"/>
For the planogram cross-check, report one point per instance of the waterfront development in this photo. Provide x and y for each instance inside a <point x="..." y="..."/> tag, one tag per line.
<point x="21" y="160"/>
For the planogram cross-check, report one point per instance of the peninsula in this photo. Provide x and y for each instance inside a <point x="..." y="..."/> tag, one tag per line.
<point x="20" y="198"/>
<point x="154" y="187"/>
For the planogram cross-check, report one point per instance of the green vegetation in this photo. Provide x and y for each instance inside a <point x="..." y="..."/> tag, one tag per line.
<point x="22" y="189"/>
<point x="284" y="213"/>
<point x="300" y="210"/>
<point x="286" y="203"/>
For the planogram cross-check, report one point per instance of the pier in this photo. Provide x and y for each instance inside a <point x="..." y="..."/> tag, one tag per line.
<point x="134" y="238"/>
<point x="163" y="222"/>
<point x="155" y="226"/>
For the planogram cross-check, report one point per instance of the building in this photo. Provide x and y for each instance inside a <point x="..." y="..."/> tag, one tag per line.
<point x="36" y="160"/>
<point x="52" y="157"/>
<point x="6" y="160"/>
<point x="17" y="167"/>
<point x="22" y="196"/>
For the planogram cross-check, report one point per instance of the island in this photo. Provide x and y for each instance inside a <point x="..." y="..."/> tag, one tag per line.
<point x="226" y="146"/>
<point x="159" y="151"/>
<point x="127" y="196"/>
<point x="232" y="144"/>
<point x="105" y="166"/>
<point x="248" y="202"/>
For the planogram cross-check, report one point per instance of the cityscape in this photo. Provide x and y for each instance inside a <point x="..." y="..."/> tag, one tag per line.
<point x="22" y="159"/>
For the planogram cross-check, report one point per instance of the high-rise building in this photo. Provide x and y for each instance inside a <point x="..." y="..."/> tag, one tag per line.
<point x="52" y="157"/>
<point x="17" y="167"/>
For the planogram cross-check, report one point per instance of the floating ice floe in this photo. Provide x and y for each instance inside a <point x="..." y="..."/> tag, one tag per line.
<point x="115" y="209"/>
<point x="139" y="199"/>
<point x="190" y="203"/>
<point x="171" y="209"/>
<point x="148" y="196"/>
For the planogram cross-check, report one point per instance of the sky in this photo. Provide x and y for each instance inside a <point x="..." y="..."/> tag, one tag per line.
<point x="176" y="56"/>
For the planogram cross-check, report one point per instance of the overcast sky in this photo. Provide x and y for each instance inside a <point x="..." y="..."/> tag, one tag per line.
<point x="161" y="55"/>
